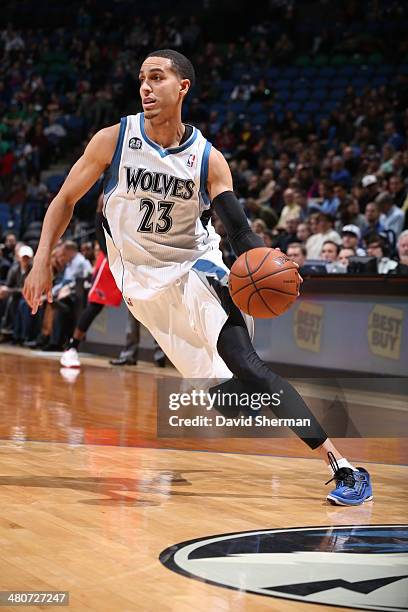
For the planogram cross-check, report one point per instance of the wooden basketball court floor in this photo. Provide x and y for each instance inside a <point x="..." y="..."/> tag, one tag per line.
<point x="90" y="497"/>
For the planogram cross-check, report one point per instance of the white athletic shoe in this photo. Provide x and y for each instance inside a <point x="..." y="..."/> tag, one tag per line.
<point x="70" y="359"/>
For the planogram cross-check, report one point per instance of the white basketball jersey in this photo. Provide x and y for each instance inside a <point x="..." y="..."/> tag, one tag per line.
<point x="153" y="201"/>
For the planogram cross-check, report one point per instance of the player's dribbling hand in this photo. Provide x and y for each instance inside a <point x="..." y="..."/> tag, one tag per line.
<point x="38" y="283"/>
<point x="297" y="265"/>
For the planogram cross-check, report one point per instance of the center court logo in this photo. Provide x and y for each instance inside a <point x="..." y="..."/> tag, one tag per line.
<point x="364" y="567"/>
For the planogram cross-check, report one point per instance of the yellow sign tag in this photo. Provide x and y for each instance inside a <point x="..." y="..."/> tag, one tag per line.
<point x="307" y="327"/>
<point x="385" y="331"/>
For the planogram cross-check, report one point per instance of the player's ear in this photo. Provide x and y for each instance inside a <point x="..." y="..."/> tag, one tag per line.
<point x="184" y="87"/>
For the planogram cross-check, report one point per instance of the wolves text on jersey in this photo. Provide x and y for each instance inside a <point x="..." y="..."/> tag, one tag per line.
<point x="157" y="182"/>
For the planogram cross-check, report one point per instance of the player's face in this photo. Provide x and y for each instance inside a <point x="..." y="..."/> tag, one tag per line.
<point x="161" y="90"/>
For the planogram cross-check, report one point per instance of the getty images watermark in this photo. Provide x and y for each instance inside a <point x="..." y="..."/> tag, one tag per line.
<point x="201" y="413"/>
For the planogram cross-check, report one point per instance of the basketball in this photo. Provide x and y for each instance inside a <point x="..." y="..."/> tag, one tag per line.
<point x="264" y="282"/>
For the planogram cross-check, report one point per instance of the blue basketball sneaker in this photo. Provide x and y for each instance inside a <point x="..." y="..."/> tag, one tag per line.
<point x="353" y="487"/>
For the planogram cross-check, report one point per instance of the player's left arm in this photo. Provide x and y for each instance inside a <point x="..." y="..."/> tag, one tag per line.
<point x="227" y="207"/>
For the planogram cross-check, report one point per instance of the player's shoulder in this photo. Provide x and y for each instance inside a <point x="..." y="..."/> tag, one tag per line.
<point x="107" y="136"/>
<point x="217" y="163"/>
<point x="103" y="143"/>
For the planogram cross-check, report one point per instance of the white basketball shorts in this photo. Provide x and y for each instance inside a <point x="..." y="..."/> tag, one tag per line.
<point x="186" y="320"/>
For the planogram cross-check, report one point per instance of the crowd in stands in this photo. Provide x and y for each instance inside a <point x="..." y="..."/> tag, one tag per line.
<point x="321" y="170"/>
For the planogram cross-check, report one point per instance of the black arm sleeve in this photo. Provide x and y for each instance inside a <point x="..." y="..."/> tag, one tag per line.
<point x="240" y="235"/>
<point x="100" y="236"/>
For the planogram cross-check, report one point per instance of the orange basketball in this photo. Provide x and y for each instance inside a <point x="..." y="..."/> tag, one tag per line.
<point x="264" y="282"/>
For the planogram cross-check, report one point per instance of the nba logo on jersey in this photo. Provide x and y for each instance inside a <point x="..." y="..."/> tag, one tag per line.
<point x="191" y="160"/>
<point x="135" y="143"/>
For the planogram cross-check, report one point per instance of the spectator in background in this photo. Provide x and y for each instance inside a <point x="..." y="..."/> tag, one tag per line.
<point x="402" y="247"/>
<point x="325" y="232"/>
<point x="302" y="232"/>
<point x="339" y="173"/>
<point x="17" y="323"/>
<point x="64" y="293"/>
<point x="288" y="236"/>
<point x="4" y="266"/>
<point x="258" y="226"/>
<point x="392" y="217"/>
<point x="340" y="192"/>
<point x="297" y="253"/>
<point x="372" y="219"/>
<point x="10" y="241"/>
<point x="256" y="210"/>
<point x="392" y="136"/>
<point x="330" y="251"/>
<point x="330" y="203"/>
<point x="349" y="213"/>
<point x="350" y="238"/>
<point x="344" y="256"/>
<point x="267" y="186"/>
<point x="378" y="246"/>
<point x="301" y="201"/>
<point x="371" y="189"/>
<point x="291" y="210"/>
<point x="87" y="250"/>
<point x="397" y="190"/>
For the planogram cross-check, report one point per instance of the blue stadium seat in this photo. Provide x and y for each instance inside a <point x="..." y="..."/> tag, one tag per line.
<point x="54" y="182"/>
<point x="378" y="81"/>
<point x="74" y="123"/>
<point x="227" y="86"/>
<point x="309" y="71"/>
<point x="330" y="105"/>
<point x="328" y="71"/>
<point x="360" y="81"/>
<point x="283" y="95"/>
<point x="301" y="94"/>
<point x="293" y="106"/>
<point x="237" y="106"/>
<point x="5" y="216"/>
<point x="318" y="94"/>
<point x="277" y="107"/>
<point x="311" y="107"/>
<point x="260" y="119"/>
<point x="219" y="107"/>
<point x="337" y="94"/>
<point x="283" y="84"/>
<point x="320" y="83"/>
<point x="319" y="116"/>
<point x="385" y="69"/>
<point x="346" y="71"/>
<point x="33" y="211"/>
<point x="290" y="73"/>
<point x="255" y="107"/>
<point x="339" y="82"/>
<point x="302" y="118"/>
<point x="272" y="73"/>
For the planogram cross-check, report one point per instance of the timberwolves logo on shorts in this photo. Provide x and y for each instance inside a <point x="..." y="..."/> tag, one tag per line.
<point x="135" y="143"/>
<point x="361" y="567"/>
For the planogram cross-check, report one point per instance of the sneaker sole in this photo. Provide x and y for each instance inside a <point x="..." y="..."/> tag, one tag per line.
<point x="73" y="367"/>
<point x="337" y="502"/>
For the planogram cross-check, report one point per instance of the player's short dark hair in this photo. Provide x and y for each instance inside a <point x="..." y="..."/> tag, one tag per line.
<point x="180" y="63"/>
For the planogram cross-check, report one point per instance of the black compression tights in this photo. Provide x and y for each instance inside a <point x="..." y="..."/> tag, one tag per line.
<point x="88" y="315"/>
<point x="235" y="348"/>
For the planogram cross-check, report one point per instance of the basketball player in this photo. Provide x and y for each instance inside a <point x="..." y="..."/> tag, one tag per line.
<point x="161" y="177"/>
